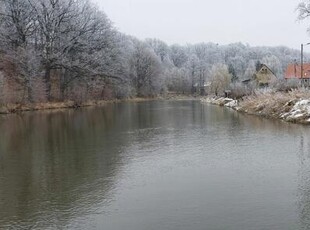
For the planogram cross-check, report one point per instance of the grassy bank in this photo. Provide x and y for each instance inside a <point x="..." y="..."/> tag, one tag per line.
<point x="16" y="108"/>
<point x="292" y="106"/>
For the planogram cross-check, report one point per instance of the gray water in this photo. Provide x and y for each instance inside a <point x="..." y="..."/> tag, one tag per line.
<point x="153" y="166"/>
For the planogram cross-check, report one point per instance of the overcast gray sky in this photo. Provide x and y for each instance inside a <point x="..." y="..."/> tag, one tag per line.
<point x="256" y="22"/>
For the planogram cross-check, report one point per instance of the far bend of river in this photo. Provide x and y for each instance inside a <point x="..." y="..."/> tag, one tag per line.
<point x="158" y="165"/>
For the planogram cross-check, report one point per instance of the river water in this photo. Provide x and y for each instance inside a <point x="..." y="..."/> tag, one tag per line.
<point x="156" y="165"/>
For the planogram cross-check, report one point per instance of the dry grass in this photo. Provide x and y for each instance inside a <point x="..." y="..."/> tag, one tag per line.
<point x="17" y="107"/>
<point x="271" y="103"/>
<point x="14" y="108"/>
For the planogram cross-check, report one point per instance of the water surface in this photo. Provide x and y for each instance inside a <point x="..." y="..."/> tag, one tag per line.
<point x="153" y="165"/>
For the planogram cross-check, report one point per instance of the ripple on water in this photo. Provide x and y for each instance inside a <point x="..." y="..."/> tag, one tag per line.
<point x="154" y="165"/>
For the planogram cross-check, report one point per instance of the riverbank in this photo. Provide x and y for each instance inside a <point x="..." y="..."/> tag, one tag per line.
<point x="292" y="106"/>
<point x="16" y="108"/>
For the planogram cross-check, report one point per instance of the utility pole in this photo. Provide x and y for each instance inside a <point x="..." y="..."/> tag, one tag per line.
<point x="295" y="68"/>
<point x="302" y="62"/>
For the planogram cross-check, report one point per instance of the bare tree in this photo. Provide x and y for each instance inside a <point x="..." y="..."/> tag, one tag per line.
<point x="250" y="70"/>
<point x="62" y="48"/>
<point x="178" y="55"/>
<point x="160" y="48"/>
<point x="220" y="78"/>
<point x="76" y="41"/>
<point x="17" y="25"/>
<point x="274" y="64"/>
<point x="17" y="28"/>
<point x="303" y="9"/>
<point x="147" y="71"/>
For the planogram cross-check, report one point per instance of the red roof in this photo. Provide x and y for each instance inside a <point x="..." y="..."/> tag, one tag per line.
<point x="293" y="71"/>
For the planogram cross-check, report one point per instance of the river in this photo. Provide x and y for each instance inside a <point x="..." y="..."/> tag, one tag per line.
<point x="156" y="165"/>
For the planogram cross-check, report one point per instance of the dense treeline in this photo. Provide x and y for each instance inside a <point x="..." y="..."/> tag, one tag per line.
<point x="52" y="50"/>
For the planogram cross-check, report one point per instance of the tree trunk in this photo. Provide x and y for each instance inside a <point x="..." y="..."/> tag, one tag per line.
<point x="29" y="92"/>
<point x="47" y="80"/>
<point x="62" y="84"/>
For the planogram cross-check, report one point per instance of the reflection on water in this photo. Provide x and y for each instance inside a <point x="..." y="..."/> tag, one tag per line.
<point x="55" y="165"/>
<point x="304" y="179"/>
<point x="153" y="165"/>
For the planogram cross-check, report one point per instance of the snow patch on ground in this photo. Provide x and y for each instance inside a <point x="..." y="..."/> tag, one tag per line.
<point x="232" y="104"/>
<point x="296" y="111"/>
<point x="222" y="101"/>
<point x="299" y="112"/>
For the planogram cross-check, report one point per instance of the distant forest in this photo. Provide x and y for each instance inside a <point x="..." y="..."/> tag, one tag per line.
<point x="52" y="50"/>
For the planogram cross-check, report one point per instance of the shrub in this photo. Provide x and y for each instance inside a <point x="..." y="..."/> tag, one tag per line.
<point x="239" y="90"/>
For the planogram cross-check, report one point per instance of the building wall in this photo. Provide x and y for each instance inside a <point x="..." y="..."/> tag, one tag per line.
<point x="265" y="76"/>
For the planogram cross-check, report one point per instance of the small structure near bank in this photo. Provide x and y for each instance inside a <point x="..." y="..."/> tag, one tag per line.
<point x="293" y="72"/>
<point x="202" y="90"/>
<point x="264" y="76"/>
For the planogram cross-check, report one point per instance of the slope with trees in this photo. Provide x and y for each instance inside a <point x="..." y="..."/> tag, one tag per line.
<point x="52" y="50"/>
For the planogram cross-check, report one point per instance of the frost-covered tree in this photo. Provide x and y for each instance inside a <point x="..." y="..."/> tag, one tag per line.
<point x="220" y="78"/>
<point x="160" y="48"/>
<point x="146" y="70"/>
<point x="69" y="47"/>
<point x="193" y="66"/>
<point x="178" y="80"/>
<point x="201" y="54"/>
<point x="303" y="9"/>
<point x="274" y="64"/>
<point x="231" y="70"/>
<point x="17" y="36"/>
<point x="16" y="23"/>
<point x="178" y="55"/>
<point x="75" y="38"/>
<point x="258" y="65"/>
<point x="251" y="69"/>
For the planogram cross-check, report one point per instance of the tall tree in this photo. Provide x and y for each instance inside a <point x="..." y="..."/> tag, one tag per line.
<point x="76" y="40"/>
<point x="220" y="78"/>
<point x="303" y="9"/>
<point x="274" y="64"/>
<point x="178" y="55"/>
<point x="258" y="65"/>
<point x="17" y="29"/>
<point x="231" y="70"/>
<point x="147" y="70"/>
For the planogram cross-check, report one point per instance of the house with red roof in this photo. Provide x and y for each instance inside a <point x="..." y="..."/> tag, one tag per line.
<point x="293" y="71"/>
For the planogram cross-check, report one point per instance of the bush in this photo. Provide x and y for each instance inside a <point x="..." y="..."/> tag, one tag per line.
<point x="239" y="90"/>
<point x="285" y="85"/>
